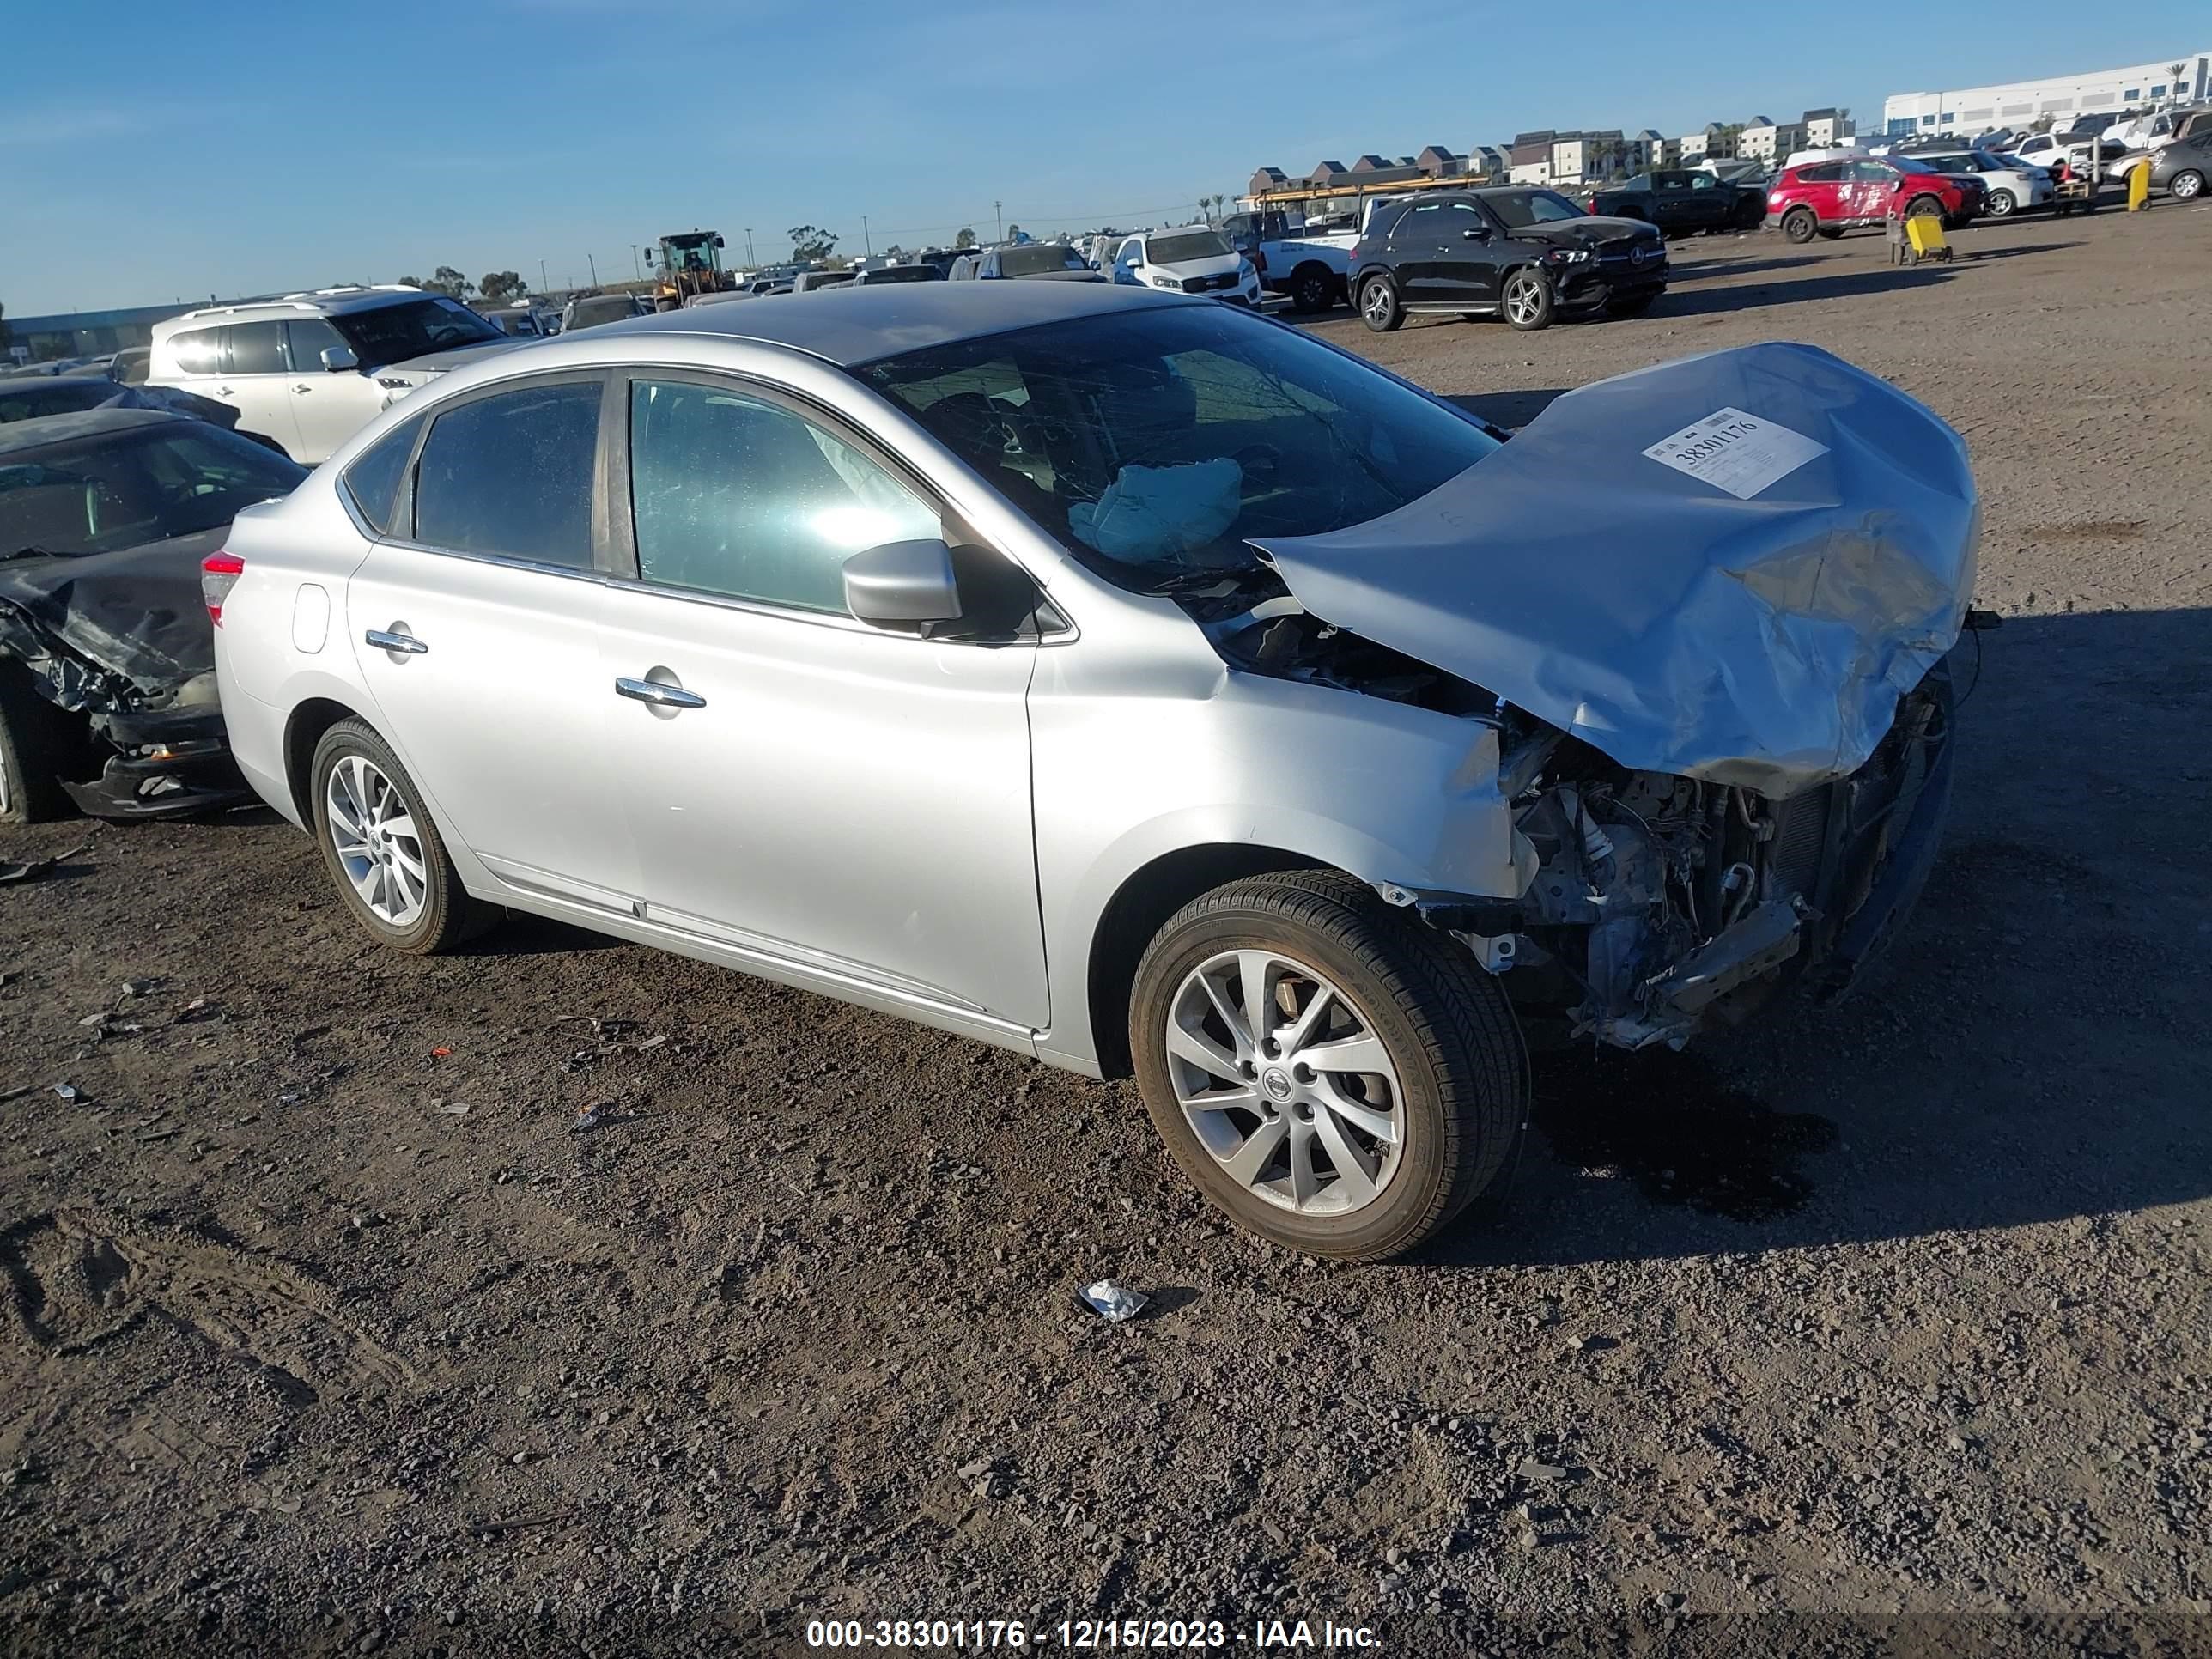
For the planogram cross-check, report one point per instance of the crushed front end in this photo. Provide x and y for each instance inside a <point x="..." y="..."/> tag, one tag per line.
<point x="1659" y="904"/>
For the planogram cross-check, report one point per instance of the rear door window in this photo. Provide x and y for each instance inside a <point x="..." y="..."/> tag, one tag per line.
<point x="254" y="348"/>
<point x="510" y="475"/>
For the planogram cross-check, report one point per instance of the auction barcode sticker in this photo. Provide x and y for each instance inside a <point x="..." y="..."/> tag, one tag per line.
<point x="1735" y="452"/>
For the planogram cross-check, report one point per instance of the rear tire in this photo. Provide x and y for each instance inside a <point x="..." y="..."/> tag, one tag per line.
<point x="1455" y="1096"/>
<point x="1378" y="305"/>
<point x="31" y="748"/>
<point x="438" y="913"/>
<point x="1313" y="289"/>
<point x="1798" y="224"/>
<point x="1527" y="300"/>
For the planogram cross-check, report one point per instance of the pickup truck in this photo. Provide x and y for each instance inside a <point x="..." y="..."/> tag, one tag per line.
<point x="1312" y="268"/>
<point x="1680" y="200"/>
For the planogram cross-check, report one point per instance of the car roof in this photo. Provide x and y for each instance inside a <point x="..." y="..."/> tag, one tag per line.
<point x="46" y="429"/>
<point x="308" y="302"/>
<point x="848" y="325"/>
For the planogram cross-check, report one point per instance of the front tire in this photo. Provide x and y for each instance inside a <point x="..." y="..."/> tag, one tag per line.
<point x="2186" y="185"/>
<point x="1527" y="300"/>
<point x="383" y="853"/>
<point x="1375" y="1093"/>
<point x="1378" y="305"/>
<point x="1798" y="224"/>
<point x="2002" y="204"/>
<point x="1924" y="207"/>
<point x="31" y="745"/>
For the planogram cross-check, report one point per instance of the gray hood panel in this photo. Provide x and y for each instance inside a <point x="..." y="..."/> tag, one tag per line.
<point x="1762" y="641"/>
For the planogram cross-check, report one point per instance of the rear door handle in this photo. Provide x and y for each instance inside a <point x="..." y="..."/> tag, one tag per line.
<point x="303" y="386"/>
<point x="658" y="695"/>
<point x="405" y="644"/>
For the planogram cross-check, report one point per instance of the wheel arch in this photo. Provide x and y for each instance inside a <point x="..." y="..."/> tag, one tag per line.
<point x="1147" y="896"/>
<point x="303" y="730"/>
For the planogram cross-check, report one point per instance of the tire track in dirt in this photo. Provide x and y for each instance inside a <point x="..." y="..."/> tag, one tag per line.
<point x="76" y="1279"/>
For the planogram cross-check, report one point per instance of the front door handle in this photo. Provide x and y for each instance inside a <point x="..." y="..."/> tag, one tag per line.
<point x="405" y="644"/>
<point x="224" y="391"/>
<point x="303" y="386"/>
<point x="658" y="695"/>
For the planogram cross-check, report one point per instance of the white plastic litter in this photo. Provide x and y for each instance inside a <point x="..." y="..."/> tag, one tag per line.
<point x="1155" y="515"/>
<point x="1112" y="1301"/>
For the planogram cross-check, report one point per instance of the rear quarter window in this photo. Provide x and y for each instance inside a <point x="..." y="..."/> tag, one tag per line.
<point x="373" y="479"/>
<point x="196" y="351"/>
<point x="510" y="474"/>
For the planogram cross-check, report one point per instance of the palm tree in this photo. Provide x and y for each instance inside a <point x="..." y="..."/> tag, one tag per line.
<point x="2176" y="70"/>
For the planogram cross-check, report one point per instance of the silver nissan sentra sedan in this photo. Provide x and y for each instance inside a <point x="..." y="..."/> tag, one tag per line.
<point x="1138" y="684"/>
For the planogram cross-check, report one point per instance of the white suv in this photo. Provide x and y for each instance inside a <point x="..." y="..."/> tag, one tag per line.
<point x="307" y="371"/>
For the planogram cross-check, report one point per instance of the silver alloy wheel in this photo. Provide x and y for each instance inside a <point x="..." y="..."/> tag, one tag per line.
<point x="2002" y="204"/>
<point x="1524" y="302"/>
<point x="373" y="832"/>
<point x="1377" y="306"/>
<point x="2188" y="185"/>
<point x="1286" y="1083"/>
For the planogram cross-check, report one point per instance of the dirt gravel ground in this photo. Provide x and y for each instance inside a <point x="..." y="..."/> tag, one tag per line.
<point x="1883" y="1330"/>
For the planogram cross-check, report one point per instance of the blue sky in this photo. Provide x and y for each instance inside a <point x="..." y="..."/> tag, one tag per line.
<point x="167" y="152"/>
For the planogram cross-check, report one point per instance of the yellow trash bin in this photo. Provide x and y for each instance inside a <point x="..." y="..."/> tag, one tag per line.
<point x="2139" y="187"/>
<point x="1925" y="231"/>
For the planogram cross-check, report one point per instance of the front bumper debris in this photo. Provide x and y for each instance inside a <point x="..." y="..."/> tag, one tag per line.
<point x="168" y="764"/>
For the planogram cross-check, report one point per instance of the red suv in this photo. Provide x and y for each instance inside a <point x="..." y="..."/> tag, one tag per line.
<point x="1828" y="197"/>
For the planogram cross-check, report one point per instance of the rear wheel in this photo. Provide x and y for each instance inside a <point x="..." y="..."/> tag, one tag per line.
<point x="1313" y="289"/>
<point x="385" y="855"/>
<point x="1799" y="224"/>
<point x="1378" y="304"/>
<point x="1527" y="300"/>
<point x="2002" y="204"/>
<point x="1334" y="1077"/>
<point x="30" y="752"/>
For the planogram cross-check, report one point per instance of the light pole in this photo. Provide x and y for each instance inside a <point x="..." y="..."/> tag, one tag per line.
<point x="634" y="263"/>
<point x="594" y="265"/>
<point x="749" y="245"/>
<point x="998" y="209"/>
<point x="867" y="245"/>
<point x="542" y="284"/>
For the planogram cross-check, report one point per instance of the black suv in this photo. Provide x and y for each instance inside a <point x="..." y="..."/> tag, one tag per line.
<point x="1528" y="254"/>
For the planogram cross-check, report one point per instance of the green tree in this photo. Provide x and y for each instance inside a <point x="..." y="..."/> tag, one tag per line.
<point x="811" y="242"/>
<point x="448" y="281"/>
<point x="965" y="239"/>
<point x="502" y="287"/>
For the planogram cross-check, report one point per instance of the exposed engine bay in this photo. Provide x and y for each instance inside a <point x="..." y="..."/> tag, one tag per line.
<point x="1649" y="903"/>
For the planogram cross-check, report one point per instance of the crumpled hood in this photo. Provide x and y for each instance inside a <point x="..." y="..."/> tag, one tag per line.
<point x="1591" y="231"/>
<point x="1760" y="639"/>
<point x="136" y="613"/>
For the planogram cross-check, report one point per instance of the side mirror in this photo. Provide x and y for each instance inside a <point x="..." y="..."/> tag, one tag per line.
<point x="339" y="360"/>
<point x="901" y="582"/>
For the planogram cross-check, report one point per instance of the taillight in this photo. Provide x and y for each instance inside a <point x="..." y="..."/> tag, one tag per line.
<point x="1592" y="204"/>
<point x="219" y="573"/>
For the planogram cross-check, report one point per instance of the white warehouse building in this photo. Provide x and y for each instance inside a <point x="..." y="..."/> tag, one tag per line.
<point x="1976" y="109"/>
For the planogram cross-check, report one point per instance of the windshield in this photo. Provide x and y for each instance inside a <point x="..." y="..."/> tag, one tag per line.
<point x="605" y="308"/>
<point x="903" y="274"/>
<point x="1156" y="443"/>
<point x="1949" y="163"/>
<point x="1520" y="208"/>
<point x="413" y="328"/>
<point x="1185" y="245"/>
<point x="1034" y="261"/>
<point x="125" y="489"/>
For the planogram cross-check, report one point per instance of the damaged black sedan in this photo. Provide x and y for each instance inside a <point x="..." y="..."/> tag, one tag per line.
<point x="107" y="689"/>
